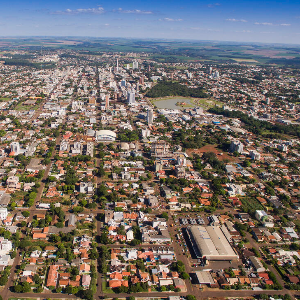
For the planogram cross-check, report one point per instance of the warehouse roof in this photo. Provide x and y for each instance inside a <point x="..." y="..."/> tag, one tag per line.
<point x="212" y="243"/>
<point x="204" y="277"/>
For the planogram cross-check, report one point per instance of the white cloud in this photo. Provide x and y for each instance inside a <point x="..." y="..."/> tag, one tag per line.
<point x="237" y="20"/>
<point x="171" y="20"/>
<point x="244" y="31"/>
<point x="134" y="11"/>
<point x="98" y="10"/>
<point x="264" y="23"/>
<point x="271" y="24"/>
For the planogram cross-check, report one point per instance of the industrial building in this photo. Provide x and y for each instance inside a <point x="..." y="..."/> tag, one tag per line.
<point x="204" y="277"/>
<point x="210" y="243"/>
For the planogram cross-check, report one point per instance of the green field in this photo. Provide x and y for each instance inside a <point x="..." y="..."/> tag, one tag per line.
<point x="206" y="102"/>
<point x="21" y="107"/>
<point x="166" y="50"/>
<point x="4" y="99"/>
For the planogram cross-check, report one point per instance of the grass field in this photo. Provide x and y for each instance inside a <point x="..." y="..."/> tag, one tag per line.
<point x="105" y="289"/>
<point x="21" y="107"/>
<point x="206" y="102"/>
<point x="250" y="205"/>
<point x="4" y="99"/>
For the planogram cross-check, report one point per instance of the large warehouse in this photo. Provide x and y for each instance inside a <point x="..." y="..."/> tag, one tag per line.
<point x="209" y="242"/>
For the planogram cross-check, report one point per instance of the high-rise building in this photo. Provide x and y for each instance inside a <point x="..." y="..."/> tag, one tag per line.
<point x="106" y="102"/>
<point x="141" y="80"/>
<point x="135" y="65"/>
<point x="216" y="75"/>
<point x="150" y="116"/>
<point x="117" y="65"/>
<point x="123" y="82"/>
<point x="15" y="148"/>
<point x="131" y="98"/>
<point x="236" y="146"/>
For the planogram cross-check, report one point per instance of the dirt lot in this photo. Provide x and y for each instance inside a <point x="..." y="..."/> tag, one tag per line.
<point x="212" y="148"/>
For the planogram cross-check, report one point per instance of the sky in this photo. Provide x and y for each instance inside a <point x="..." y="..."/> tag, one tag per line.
<point x="229" y="20"/>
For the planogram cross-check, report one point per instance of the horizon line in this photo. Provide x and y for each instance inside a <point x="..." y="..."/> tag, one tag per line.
<point x="137" y="38"/>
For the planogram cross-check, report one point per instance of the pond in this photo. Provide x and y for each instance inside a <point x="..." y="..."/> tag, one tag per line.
<point x="170" y="103"/>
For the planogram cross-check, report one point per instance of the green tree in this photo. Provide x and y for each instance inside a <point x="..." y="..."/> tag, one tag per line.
<point x="26" y="213"/>
<point x="18" y="288"/>
<point x="190" y="297"/>
<point x="26" y="287"/>
<point x="165" y="215"/>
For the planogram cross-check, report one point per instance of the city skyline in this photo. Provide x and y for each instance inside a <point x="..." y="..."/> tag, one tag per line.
<point x="238" y="21"/>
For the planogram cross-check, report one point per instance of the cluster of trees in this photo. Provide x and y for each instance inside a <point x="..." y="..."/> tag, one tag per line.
<point x="78" y="291"/>
<point x="175" y="184"/>
<point x="4" y="276"/>
<point x="137" y="236"/>
<point x="104" y="257"/>
<point x="188" y="139"/>
<point x="62" y="237"/>
<point x="216" y="185"/>
<point x="29" y="198"/>
<point x="93" y="252"/>
<point x="84" y="203"/>
<point x="71" y="177"/>
<point x="293" y="286"/>
<point x="276" y="285"/>
<point x="168" y="88"/>
<point x="80" y="157"/>
<point x="57" y="211"/>
<point x="256" y="126"/>
<point x="179" y="267"/>
<point x="27" y="63"/>
<point x="212" y="159"/>
<point x="42" y="222"/>
<point x="133" y="288"/>
<point x="245" y="80"/>
<point x="65" y="251"/>
<point x="23" y="287"/>
<point x="24" y="161"/>
<point x="100" y="172"/>
<point x="128" y="135"/>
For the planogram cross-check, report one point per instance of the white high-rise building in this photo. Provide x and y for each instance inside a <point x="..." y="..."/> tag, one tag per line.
<point x="216" y="75"/>
<point x="236" y="146"/>
<point x="3" y="213"/>
<point x="135" y="65"/>
<point x="131" y="98"/>
<point x="150" y="116"/>
<point x="15" y="147"/>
